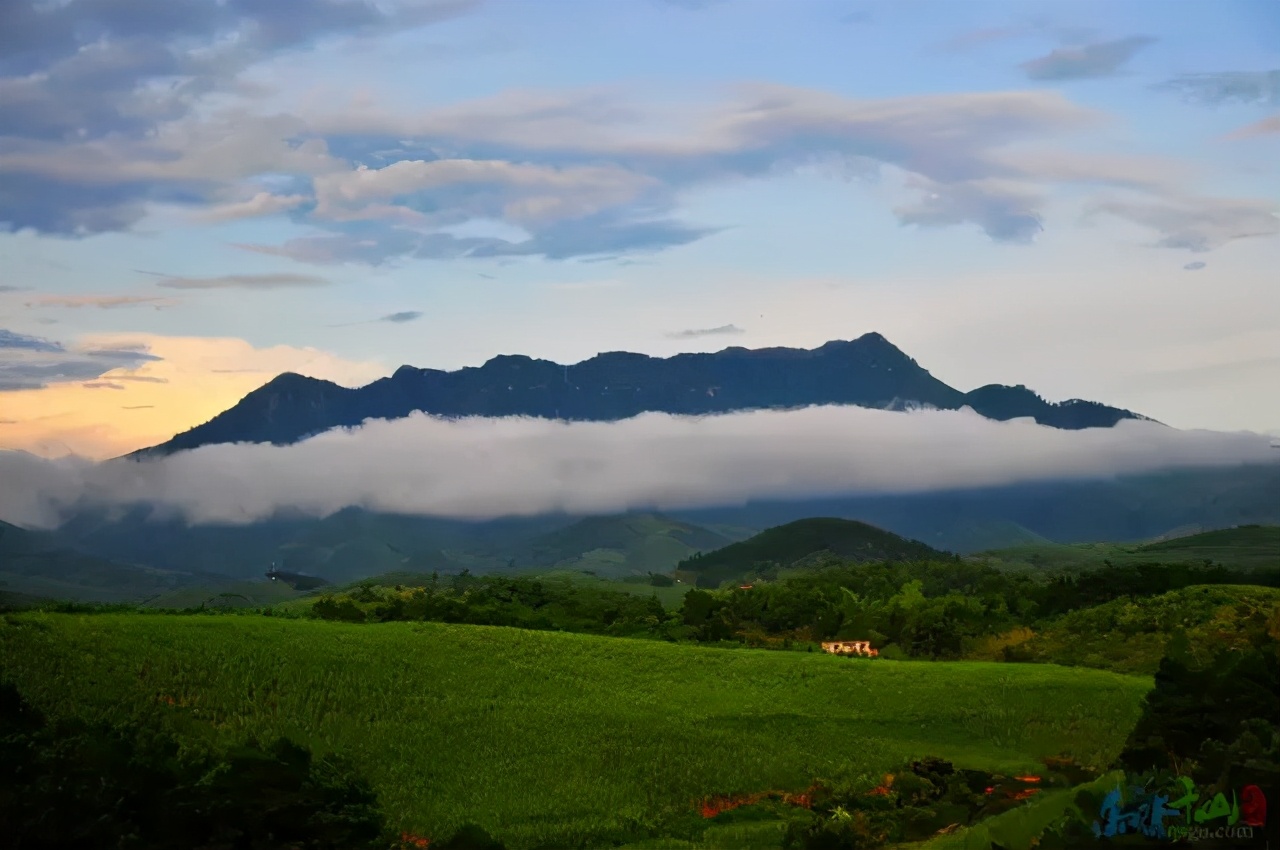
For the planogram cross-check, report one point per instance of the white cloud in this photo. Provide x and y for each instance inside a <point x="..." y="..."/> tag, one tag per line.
<point x="261" y="204"/>
<point x="1198" y="224"/>
<point x="492" y="467"/>
<point x="279" y="280"/>
<point x="522" y="193"/>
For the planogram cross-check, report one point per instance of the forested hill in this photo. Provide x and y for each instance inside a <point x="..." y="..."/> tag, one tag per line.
<point x="786" y="544"/>
<point x="868" y="371"/>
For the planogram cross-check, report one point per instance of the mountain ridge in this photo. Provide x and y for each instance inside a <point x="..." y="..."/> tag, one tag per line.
<point x="619" y="385"/>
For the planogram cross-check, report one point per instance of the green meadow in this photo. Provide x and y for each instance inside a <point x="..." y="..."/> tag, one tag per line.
<point x="557" y="739"/>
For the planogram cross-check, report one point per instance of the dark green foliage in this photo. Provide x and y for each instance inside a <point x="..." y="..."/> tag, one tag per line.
<point x="471" y="837"/>
<point x="927" y="608"/>
<point x="1067" y="592"/>
<point x="527" y="603"/>
<point x="1211" y="718"/>
<point x="338" y="608"/>
<point x="910" y="805"/>
<point x="70" y="784"/>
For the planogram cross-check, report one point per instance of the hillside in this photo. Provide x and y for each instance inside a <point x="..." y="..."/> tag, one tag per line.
<point x="787" y="544"/>
<point x="868" y="371"/>
<point x="1130" y="509"/>
<point x="346" y="546"/>
<point x="1131" y="635"/>
<point x="1041" y="521"/>
<point x="38" y="565"/>
<point x="551" y="739"/>
<point x="1242" y="547"/>
<point x="619" y="545"/>
<point x="353" y="544"/>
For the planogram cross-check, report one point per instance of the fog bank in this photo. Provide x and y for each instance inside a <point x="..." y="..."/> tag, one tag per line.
<point x="481" y="468"/>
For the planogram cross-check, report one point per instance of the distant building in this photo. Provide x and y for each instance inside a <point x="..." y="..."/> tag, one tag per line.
<point x="850" y="647"/>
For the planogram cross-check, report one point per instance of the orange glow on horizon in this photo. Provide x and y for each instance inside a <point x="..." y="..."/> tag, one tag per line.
<point x="125" y="410"/>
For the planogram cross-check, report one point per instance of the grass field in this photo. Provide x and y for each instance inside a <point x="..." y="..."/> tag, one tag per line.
<point x="553" y="738"/>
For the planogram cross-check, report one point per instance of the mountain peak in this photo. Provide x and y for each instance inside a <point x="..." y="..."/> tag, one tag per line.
<point x="292" y="381"/>
<point x="868" y="371"/>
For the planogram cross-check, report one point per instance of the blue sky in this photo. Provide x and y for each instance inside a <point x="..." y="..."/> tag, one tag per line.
<point x="1077" y="196"/>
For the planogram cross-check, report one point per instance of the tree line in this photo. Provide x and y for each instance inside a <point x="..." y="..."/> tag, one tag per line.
<point x="917" y="609"/>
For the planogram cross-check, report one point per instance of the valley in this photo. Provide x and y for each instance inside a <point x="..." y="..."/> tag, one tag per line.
<point x="694" y="707"/>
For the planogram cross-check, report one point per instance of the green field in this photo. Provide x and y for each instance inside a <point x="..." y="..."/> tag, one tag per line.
<point x="554" y="738"/>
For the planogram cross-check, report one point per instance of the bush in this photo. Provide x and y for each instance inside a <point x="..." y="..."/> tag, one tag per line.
<point x="472" y="837"/>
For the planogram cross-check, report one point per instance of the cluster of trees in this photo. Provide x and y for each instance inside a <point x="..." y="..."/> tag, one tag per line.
<point x="526" y="603"/>
<point x="1213" y="719"/>
<point x="924" y="609"/>
<point x="1069" y="592"/>
<point x="920" y="609"/>
<point x="1210" y="720"/>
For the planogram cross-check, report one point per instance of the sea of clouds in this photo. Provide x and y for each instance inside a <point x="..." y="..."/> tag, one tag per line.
<point x="481" y="468"/>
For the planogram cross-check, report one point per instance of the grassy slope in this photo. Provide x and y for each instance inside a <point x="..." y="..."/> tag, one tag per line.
<point x="1247" y="547"/>
<point x="559" y="737"/>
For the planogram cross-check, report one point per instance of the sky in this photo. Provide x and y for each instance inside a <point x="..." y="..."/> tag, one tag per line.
<point x="1082" y="197"/>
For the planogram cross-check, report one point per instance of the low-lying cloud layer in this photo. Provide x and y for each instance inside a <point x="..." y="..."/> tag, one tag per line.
<point x="480" y="468"/>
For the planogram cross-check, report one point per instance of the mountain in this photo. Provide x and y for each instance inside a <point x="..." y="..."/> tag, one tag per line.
<point x="39" y="565"/>
<point x="1130" y="508"/>
<point x="787" y="544"/>
<point x="345" y="546"/>
<point x="868" y="372"/>
<point x="354" y="543"/>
